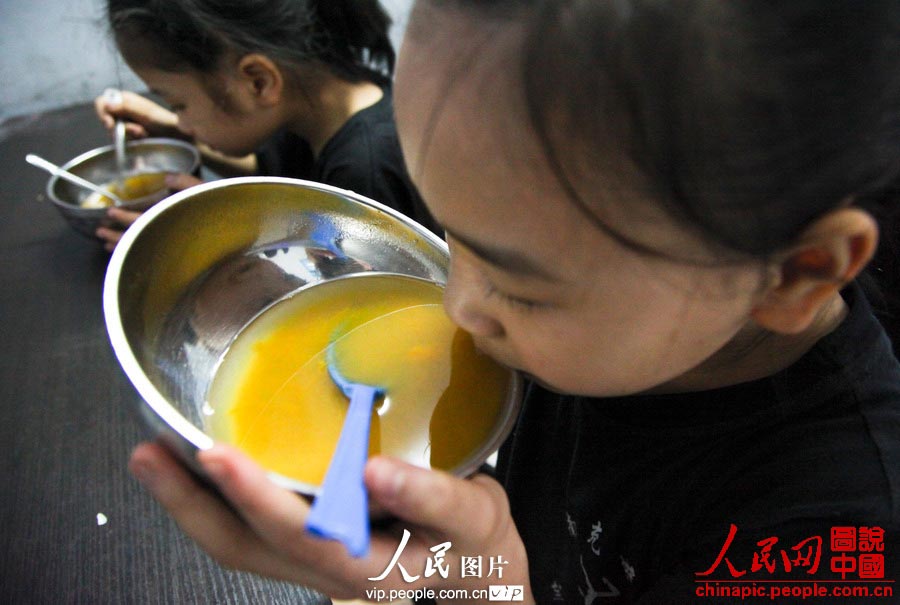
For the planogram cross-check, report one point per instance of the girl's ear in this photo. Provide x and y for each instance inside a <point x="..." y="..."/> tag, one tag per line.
<point x="262" y="79"/>
<point x="829" y="254"/>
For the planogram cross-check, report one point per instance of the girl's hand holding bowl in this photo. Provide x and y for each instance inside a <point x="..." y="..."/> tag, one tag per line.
<point x="269" y="538"/>
<point x="120" y="218"/>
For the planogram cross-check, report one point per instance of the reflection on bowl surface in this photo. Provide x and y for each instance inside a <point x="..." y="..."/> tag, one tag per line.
<point x="148" y="162"/>
<point x="194" y="270"/>
<point x="272" y="395"/>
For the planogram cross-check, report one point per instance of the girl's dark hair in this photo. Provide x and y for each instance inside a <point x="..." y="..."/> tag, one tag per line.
<point x="350" y="37"/>
<point x="746" y="119"/>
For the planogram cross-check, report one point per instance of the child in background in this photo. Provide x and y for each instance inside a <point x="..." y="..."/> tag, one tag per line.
<point x="657" y="210"/>
<point x="307" y="84"/>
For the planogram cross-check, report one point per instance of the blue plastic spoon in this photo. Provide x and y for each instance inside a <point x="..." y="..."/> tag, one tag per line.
<point x="341" y="510"/>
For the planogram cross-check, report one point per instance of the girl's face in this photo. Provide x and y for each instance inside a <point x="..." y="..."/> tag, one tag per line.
<point x="539" y="286"/>
<point x="228" y="124"/>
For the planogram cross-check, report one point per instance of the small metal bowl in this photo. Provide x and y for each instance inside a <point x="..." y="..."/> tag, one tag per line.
<point x="199" y="266"/>
<point x="99" y="166"/>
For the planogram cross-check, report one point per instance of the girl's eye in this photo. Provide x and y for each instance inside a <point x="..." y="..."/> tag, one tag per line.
<point x="522" y="304"/>
<point x="176" y="107"/>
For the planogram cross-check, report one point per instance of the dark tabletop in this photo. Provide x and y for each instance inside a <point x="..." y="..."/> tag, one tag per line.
<point x="67" y="420"/>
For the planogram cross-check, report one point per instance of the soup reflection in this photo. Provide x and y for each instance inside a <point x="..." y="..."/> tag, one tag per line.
<point x="273" y="398"/>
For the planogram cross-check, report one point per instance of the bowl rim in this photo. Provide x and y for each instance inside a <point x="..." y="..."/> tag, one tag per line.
<point x="165" y="410"/>
<point x="97" y="151"/>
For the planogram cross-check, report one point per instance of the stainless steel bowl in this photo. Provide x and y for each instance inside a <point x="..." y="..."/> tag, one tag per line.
<point x="99" y="166"/>
<point x="198" y="266"/>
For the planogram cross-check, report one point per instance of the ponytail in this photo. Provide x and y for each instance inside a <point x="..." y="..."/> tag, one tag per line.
<point x="359" y="30"/>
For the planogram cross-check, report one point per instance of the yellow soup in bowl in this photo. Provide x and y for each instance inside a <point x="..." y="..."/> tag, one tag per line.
<point x="272" y="395"/>
<point x="131" y="188"/>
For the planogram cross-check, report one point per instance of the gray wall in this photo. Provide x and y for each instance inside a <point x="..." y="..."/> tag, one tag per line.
<point x="55" y="53"/>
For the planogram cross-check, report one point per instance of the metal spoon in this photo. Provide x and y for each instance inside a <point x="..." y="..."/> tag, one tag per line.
<point x="121" y="158"/>
<point x="114" y="96"/>
<point x="36" y="160"/>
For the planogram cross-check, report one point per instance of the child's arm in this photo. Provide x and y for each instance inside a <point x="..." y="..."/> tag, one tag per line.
<point x="269" y="538"/>
<point x="225" y="165"/>
<point x="145" y="118"/>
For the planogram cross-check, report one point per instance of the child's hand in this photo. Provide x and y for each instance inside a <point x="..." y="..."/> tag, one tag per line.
<point x="181" y="181"/>
<point x="143" y="117"/>
<point x="269" y="538"/>
<point x="120" y="219"/>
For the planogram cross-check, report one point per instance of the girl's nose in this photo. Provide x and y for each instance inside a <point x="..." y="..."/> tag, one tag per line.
<point x="464" y="305"/>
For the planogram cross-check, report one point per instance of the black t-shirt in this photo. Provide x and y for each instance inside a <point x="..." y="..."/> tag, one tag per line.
<point x="363" y="156"/>
<point x="633" y="499"/>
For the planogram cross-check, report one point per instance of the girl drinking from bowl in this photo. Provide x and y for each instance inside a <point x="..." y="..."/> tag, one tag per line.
<point x="658" y="211"/>
<point x="307" y="83"/>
